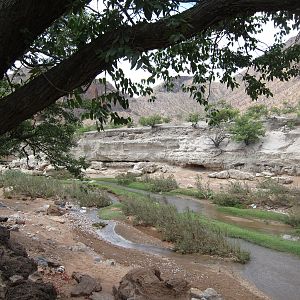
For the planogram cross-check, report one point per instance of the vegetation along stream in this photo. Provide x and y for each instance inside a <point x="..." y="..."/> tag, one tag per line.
<point x="275" y="273"/>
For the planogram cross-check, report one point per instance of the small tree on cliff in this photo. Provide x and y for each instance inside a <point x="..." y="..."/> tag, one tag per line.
<point x="246" y="129"/>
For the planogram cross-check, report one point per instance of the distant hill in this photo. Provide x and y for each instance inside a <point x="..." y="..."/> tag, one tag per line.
<point x="177" y="104"/>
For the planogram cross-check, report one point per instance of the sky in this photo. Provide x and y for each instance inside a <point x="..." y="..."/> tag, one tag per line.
<point x="267" y="36"/>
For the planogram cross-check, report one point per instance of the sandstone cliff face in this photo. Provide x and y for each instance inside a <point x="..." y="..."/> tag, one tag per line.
<point x="278" y="151"/>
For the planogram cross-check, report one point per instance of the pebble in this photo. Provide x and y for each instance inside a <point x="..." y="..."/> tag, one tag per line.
<point x="60" y="269"/>
<point x="15" y="228"/>
<point x="20" y="222"/>
<point x="110" y="262"/>
<point x="97" y="259"/>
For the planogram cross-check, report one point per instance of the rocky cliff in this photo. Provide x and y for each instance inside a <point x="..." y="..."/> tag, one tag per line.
<point x="278" y="151"/>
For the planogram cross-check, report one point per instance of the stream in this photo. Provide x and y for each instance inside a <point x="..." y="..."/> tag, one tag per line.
<point x="275" y="273"/>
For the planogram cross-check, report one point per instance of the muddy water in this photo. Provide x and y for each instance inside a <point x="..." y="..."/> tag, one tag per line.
<point x="275" y="273"/>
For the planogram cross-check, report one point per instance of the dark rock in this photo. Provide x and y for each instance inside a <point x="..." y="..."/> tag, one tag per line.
<point x="86" y="285"/>
<point x="16" y="265"/>
<point x="35" y="277"/>
<point x="3" y="219"/>
<point x="14" y="227"/>
<point x="20" y="222"/>
<point x="31" y="291"/>
<point x="41" y="261"/>
<point x="60" y="202"/>
<point x="53" y="264"/>
<point x="101" y="296"/>
<point x="4" y="235"/>
<point x="16" y="279"/>
<point x="144" y="283"/>
<point x="16" y="248"/>
<point x="54" y="210"/>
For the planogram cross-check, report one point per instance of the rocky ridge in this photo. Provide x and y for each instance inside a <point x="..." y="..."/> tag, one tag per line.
<point x="278" y="152"/>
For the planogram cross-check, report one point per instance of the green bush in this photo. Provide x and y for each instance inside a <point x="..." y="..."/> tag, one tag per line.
<point x="203" y="190"/>
<point x="257" y="111"/>
<point x="223" y="115"/>
<point x="236" y="194"/>
<point x="194" y="118"/>
<point x="125" y="178"/>
<point x="226" y="199"/>
<point x="161" y="184"/>
<point x="151" y="120"/>
<point x="275" y="110"/>
<point x="166" y="119"/>
<point x="188" y="232"/>
<point x="247" y="130"/>
<point x="39" y="186"/>
<point x="288" y="108"/>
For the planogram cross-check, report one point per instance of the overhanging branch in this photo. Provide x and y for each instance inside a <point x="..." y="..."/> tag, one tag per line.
<point x="87" y="62"/>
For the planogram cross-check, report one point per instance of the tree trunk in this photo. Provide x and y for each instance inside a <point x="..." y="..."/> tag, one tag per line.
<point x="21" y="22"/>
<point x="87" y="62"/>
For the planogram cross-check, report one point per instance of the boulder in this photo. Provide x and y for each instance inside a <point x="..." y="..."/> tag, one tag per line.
<point x="146" y="167"/>
<point x="240" y="175"/>
<point x="232" y="173"/>
<point x="54" y="210"/>
<point x="219" y="175"/>
<point x="208" y="294"/>
<point x="86" y="285"/>
<point x="16" y="265"/>
<point x="146" y="283"/>
<point x="135" y="173"/>
<point x="101" y="296"/>
<point x="27" y="290"/>
<point x="16" y="278"/>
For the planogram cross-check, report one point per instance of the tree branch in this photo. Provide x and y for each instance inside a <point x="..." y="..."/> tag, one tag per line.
<point x="21" y="22"/>
<point x="88" y="62"/>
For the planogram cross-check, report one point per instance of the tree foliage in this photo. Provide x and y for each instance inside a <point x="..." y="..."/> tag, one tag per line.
<point x="194" y="118"/>
<point x="247" y="130"/>
<point x="151" y="120"/>
<point x="65" y="45"/>
<point x="221" y="113"/>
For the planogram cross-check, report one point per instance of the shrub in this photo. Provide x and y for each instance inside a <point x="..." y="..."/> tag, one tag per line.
<point x="188" y="231"/>
<point x="161" y="184"/>
<point x="194" y="118"/>
<point x="166" y="119"/>
<point x="275" y="110"/>
<point x="235" y="195"/>
<point x="204" y="190"/>
<point x="223" y="115"/>
<point x="294" y="217"/>
<point x="257" y="111"/>
<point x="39" y="186"/>
<point x="125" y="178"/>
<point x="217" y="135"/>
<point x="247" y="130"/>
<point x="288" y="108"/>
<point x="226" y="199"/>
<point x="151" y="120"/>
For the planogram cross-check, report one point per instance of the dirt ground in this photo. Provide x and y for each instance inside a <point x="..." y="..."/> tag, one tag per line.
<point x="77" y="250"/>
